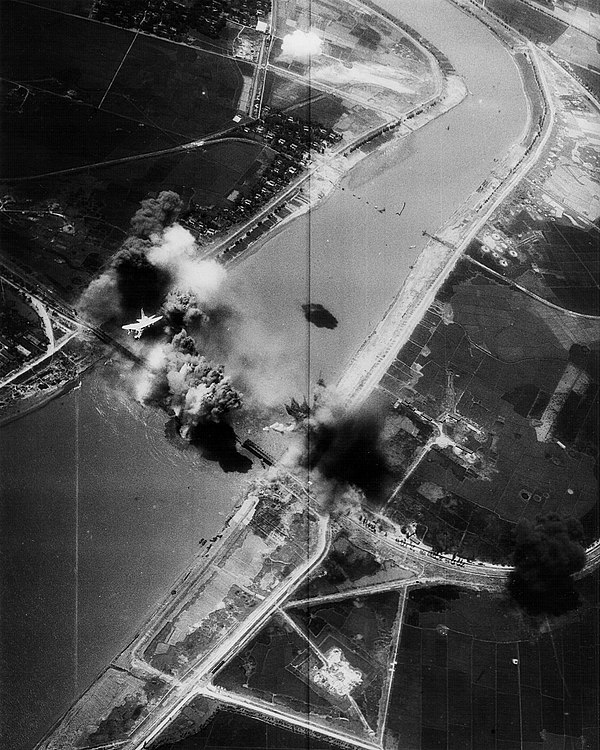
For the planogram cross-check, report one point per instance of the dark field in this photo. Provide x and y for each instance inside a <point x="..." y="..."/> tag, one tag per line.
<point x="49" y="133"/>
<point x="534" y="24"/>
<point x="182" y="90"/>
<point x="591" y="78"/>
<point x="457" y="685"/>
<point x="234" y="731"/>
<point x="496" y="366"/>
<point x="265" y="666"/>
<point x="363" y="628"/>
<point x="302" y="100"/>
<point x="567" y="258"/>
<point x="54" y="52"/>
<point x="77" y="7"/>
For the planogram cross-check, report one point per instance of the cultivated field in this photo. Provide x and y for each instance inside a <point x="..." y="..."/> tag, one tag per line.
<point x="470" y="675"/>
<point x="499" y="369"/>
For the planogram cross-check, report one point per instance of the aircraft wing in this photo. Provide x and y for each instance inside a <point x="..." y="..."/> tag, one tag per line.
<point x="133" y="327"/>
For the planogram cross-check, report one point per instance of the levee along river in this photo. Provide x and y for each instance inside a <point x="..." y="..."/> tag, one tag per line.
<point x="91" y="476"/>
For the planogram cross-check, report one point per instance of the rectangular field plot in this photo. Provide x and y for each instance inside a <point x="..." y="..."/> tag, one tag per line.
<point x="177" y="88"/>
<point x="56" y="52"/>
<point x="497" y="699"/>
<point x="50" y="133"/>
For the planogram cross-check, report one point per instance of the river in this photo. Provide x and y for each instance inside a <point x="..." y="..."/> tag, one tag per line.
<point x="351" y="258"/>
<point x="93" y="470"/>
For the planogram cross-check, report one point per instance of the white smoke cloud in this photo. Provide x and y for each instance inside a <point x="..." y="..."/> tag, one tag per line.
<point x="176" y="252"/>
<point x="301" y="44"/>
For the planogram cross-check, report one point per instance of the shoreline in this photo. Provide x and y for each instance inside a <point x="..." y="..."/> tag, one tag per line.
<point x="42" y="401"/>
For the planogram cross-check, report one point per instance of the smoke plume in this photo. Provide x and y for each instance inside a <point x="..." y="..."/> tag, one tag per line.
<point x="176" y="253"/>
<point x="156" y="213"/>
<point x="546" y="556"/>
<point x="342" y="452"/>
<point x="301" y="44"/>
<point x="186" y="384"/>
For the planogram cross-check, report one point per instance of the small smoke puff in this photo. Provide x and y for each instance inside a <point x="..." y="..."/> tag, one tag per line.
<point x="176" y="252"/>
<point x="301" y="44"/>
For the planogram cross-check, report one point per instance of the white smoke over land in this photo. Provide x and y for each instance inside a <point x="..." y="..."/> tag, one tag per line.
<point x="175" y="251"/>
<point x="301" y="44"/>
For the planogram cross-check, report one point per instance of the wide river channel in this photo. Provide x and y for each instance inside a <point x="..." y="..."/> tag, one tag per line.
<point x="100" y="513"/>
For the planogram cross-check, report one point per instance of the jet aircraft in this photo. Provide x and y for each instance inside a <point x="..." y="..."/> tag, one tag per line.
<point x="143" y="322"/>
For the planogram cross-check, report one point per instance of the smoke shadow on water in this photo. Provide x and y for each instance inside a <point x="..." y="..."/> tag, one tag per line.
<point x="214" y="441"/>
<point x="319" y="316"/>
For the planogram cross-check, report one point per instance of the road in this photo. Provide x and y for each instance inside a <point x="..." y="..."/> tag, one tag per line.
<point x="201" y="673"/>
<point x="52" y="347"/>
<point x="375" y="356"/>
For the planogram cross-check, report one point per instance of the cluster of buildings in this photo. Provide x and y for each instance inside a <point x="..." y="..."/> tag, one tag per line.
<point x="174" y="19"/>
<point x="20" y="339"/>
<point x="293" y="141"/>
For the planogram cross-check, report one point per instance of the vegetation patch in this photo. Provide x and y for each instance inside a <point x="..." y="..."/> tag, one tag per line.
<point x="494" y="369"/>
<point x="469" y="666"/>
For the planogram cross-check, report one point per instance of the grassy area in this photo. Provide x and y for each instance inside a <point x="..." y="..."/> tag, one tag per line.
<point x="265" y="668"/>
<point x="55" y="52"/>
<point x="362" y="627"/>
<point x="535" y="25"/>
<point x="471" y="674"/>
<point x="181" y="90"/>
<point x="229" y="729"/>
<point x="77" y="7"/>
<point x="50" y="133"/>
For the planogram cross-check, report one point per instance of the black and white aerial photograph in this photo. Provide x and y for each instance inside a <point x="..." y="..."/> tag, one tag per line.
<point x="299" y="374"/>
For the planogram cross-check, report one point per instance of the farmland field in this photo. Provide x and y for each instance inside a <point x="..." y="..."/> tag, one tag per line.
<point x="363" y="628"/>
<point x="54" y="52"/>
<point x="266" y="668"/>
<point x="534" y="24"/>
<point x="50" y="133"/>
<point x="178" y="89"/>
<point x="472" y="674"/>
<point x="499" y="361"/>
<point x="229" y="730"/>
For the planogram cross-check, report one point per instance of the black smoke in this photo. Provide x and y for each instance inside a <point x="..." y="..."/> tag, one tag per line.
<point x="155" y="214"/>
<point x="344" y="448"/>
<point x="139" y="282"/>
<point x="547" y="554"/>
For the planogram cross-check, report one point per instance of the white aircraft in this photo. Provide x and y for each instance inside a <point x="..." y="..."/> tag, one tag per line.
<point x="143" y="322"/>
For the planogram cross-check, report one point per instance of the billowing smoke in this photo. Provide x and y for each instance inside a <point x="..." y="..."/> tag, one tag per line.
<point x="546" y="556"/>
<point x="139" y="282"/>
<point x="301" y="44"/>
<point x="342" y="453"/>
<point x="161" y="259"/>
<point x="155" y="214"/>
<point x="175" y="252"/>
<point x="183" y="310"/>
<point x="186" y="384"/>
